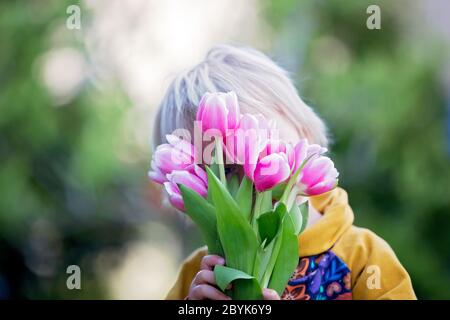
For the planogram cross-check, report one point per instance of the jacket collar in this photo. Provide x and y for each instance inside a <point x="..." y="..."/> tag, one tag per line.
<point x="337" y="218"/>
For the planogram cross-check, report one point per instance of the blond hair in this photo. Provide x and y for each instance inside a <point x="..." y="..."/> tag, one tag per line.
<point x="260" y="84"/>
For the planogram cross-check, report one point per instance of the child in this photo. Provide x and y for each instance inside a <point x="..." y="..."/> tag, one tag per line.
<point x="338" y="261"/>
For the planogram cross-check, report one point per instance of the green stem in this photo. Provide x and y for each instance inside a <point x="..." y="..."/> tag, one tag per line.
<point x="265" y="255"/>
<point x="219" y="160"/>
<point x="291" y="199"/>
<point x="272" y="260"/>
<point x="257" y="210"/>
<point x="288" y="188"/>
<point x="292" y="181"/>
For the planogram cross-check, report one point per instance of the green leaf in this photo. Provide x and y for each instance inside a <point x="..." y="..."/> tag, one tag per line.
<point x="287" y="257"/>
<point x="245" y="286"/>
<point x="204" y="216"/>
<point x="266" y="203"/>
<point x="281" y="211"/>
<point x="225" y="275"/>
<point x="268" y="224"/>
<point x="244" y="197"/>
<point x="214" y="167"/>
<point x="297" y="219"/>
<point x="233" y="185"/>
<point x="263" y="258"/>
<point x="263" y="203"/>
<point x="246" y="290"/>
<point x="257" y="263"/>
<point x="278" y="191"/>
<point x="305" y="215"/>
<point x="235" y="233"/>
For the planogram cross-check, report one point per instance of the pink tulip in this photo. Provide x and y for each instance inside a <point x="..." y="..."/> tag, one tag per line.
<point x="264" y="159"/>
<point x="270" y="171"/>
<point x="315" y="150"/>
<point x="199" y="172"/>
<point x="219" y="111"/>
<point x="302" y="152"/>
<point x="298" y="155"/>
<point x="156" y="175"/>
<point x="251" y="155"/>
<point x="194" y="178"/>
<point x="276" y="146"/>
<point x="175" y="197"/>
<point x="189" y="180"/>
<point x="317" y="176"/>
<point x="273" y="166"/>
<point x="248" y="122"/>
<point x="243" y="147"/>
<point x="178" y="154"/>
<point x="234" y="113"/>
<point x="181" y="145"/>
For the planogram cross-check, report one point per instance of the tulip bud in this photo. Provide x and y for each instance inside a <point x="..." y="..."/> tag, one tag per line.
<point x="175" y="155"/>
<point x="270" y="171"/>
<point x="188" y="178"/>
<point x="218" y="111"/>
<point x="317" y="176"/>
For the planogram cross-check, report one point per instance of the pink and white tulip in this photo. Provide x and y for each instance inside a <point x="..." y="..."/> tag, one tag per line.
<point x="276" y="146"/>
<point x="194" y="178"/>
<point x="272" y="167"/>
<point x="219" y="111"/>
<point x="174" y="194"/>
<point x="302" y="152"/>
<point x="317" y="176"/>
<point x="244" y="146"/>
<point x="270" y="171"/>
<point x="315" y="150"/>
<point x="178" y="154"/>
<point x="297" y="155"/>
<point x="264" y="159"/>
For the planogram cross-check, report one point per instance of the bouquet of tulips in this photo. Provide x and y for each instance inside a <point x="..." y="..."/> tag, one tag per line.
<point x="246" y="191"/>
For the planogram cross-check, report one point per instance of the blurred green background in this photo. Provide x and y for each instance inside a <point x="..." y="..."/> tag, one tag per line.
<point x="76" y="110"/>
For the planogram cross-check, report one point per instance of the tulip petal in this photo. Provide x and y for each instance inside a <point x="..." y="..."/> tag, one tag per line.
<point x="156" y="175"/>
<point x="201" y="106"/>
<point x="316" y="150"/>
<point x="318" y="176"/>
<point x="199" y="172"/>
<point x="270" y="171"/>
<point x="181" y="145"/>
<point x="275" y="146"/>
<point x="248" y="121"/>
<point x="214" y="115"/>
<point x="175" y="197"/>
<point x="315" y="170"/>
<point x="321" y="187"/>
<point x="298" y="155"/>
<point x="189" y="180"/>
<point x="251" y="156"/>
<point x="167" y="159"/>
<point x="233" y="109"/>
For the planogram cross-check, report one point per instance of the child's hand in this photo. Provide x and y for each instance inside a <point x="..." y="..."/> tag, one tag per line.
<point x="269" y="294"/>
<point x="203" y="285"/>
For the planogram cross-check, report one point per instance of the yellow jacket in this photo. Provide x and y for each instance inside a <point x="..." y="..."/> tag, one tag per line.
<point x="338" y="261"/>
